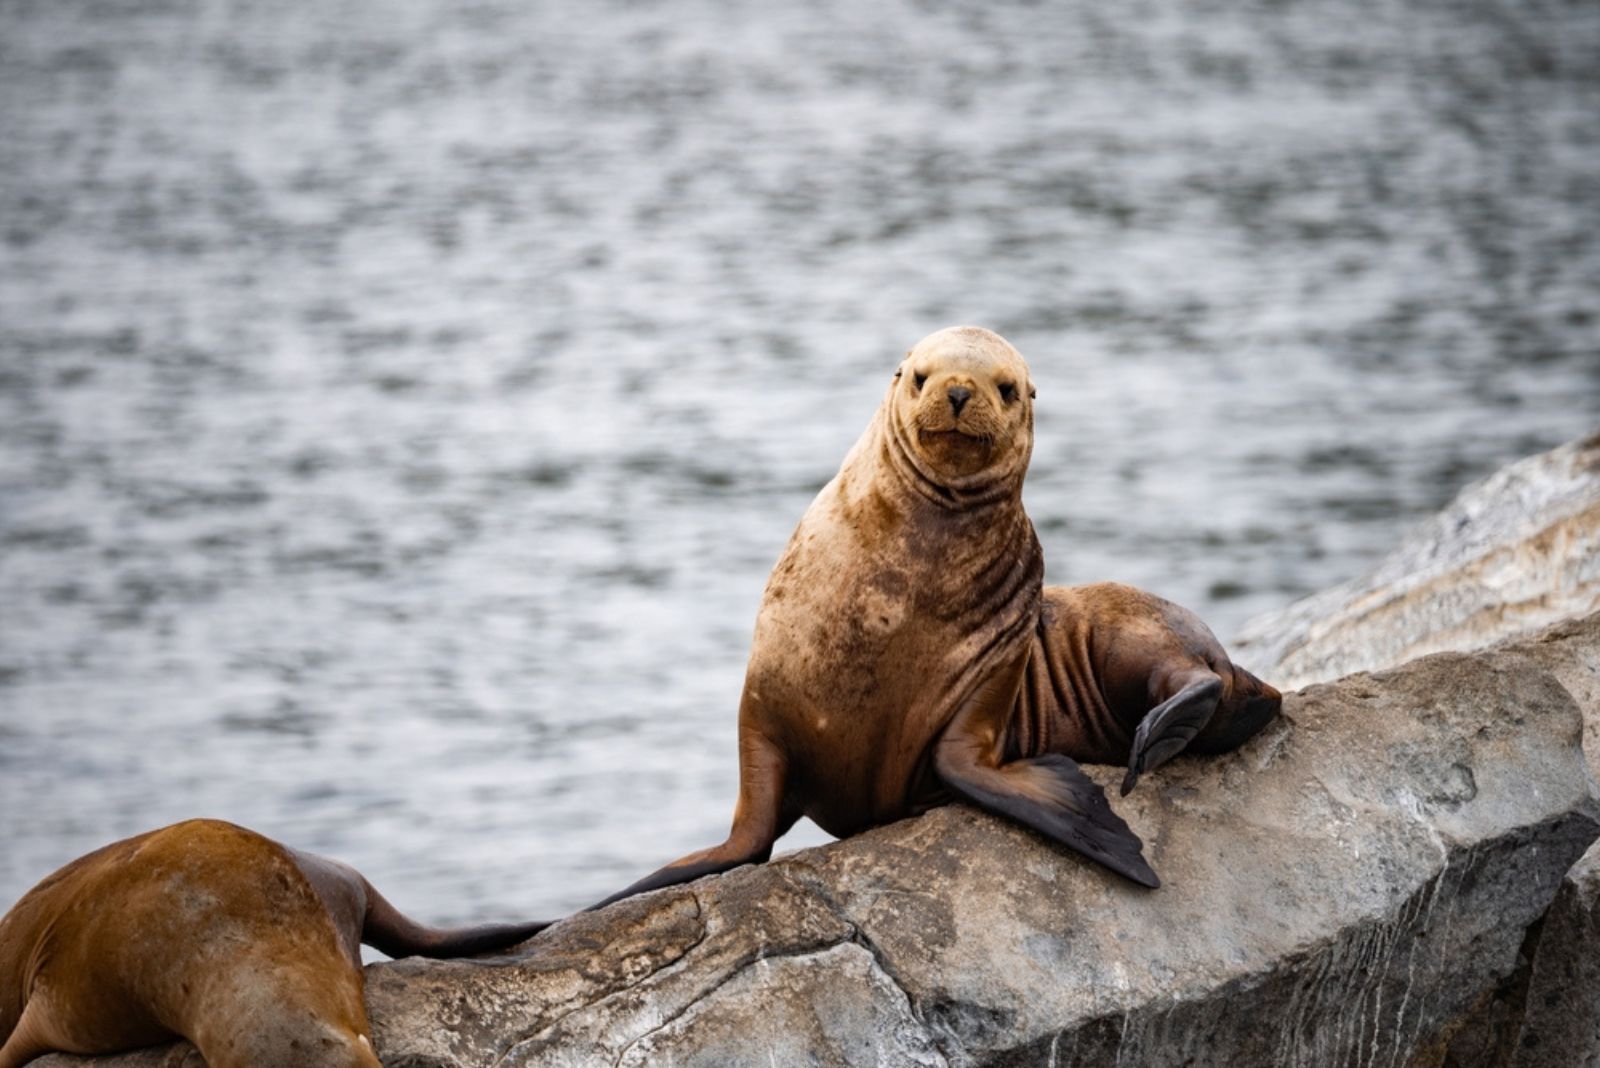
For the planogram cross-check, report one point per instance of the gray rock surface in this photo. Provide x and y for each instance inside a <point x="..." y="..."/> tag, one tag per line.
<point x="1511" y="554"/>
<point x="1557" y="1021"/>
<point x="1560" y="1021"/>
<point x="1355" y="885"/>
<point x="1361" y="876"/>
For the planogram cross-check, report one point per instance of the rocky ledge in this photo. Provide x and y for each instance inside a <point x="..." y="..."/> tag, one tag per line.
<point x="1355" y="885"/>
<point x="1512" y="553"/>
<point x="1369" y="881"/>
<point x="1358" y="884"/>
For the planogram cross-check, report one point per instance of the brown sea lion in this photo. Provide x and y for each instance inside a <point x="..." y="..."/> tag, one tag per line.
<point x="906" y="654"/>
<point x="1120" y="676"/>
<point x="211" y="932"/>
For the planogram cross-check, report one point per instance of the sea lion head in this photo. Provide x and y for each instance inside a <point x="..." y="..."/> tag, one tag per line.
<point x="961" y="409"/>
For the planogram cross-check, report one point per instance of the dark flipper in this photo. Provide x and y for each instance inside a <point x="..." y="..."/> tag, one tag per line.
<point x="1250" y="707"/>
<point x="714" y="861"/>
<point x="1170" y="726"/>
<point x="1054" y="797"/>
<point x="758" y="820"/>
<point x="361" y="914"/>
<point x="390" y="931"/>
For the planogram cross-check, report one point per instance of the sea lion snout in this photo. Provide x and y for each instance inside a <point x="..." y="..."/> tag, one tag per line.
<point x="962" y="397"/>
<point x="955" y="401"/>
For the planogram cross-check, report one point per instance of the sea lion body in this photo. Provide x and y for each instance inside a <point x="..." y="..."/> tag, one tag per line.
<point x="871" y="635"/>
<point x="1104" y="656"/>
<point x="211" y="932"/>
<point x="906" y="652"/>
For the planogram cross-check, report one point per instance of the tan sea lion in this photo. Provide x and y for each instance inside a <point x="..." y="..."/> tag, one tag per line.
<point x="211" y="932"/>
<point x="906" y="654"/>
<point x="1117" y="675"/>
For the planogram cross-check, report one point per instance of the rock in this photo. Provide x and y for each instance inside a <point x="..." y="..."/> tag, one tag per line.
<point x="1354" y="885"/>
<point x="176" y="1055"/>
<point x="1512" y="553"/>
<point x="1560" y="1021"/>
<point x="1350" y="885"/>
<point x="1568" y="652"/>
<point x="1556" y="1018"/>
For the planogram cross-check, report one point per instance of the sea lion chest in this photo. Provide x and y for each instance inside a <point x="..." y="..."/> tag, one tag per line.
<point x="881" y="616"/>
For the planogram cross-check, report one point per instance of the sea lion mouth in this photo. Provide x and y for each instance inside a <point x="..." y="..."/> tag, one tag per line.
<point x="952" y="437"/>
<point x="955" y="452"/>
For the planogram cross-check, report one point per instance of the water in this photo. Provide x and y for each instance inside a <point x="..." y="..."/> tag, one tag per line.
<point x="402" y="404"/>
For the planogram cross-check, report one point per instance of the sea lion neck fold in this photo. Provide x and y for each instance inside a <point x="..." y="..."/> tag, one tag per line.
<point x="902" y="462"/>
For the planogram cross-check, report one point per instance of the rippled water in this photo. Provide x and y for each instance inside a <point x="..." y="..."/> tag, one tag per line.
<point x="402" y="404"/>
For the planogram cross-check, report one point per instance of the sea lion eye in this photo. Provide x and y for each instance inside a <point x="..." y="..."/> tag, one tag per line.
<point x="1008" y="391"/>
<point x="919" y="380"/>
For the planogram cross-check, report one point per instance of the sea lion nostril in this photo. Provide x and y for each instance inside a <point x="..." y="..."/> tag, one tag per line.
<point x="959" y="395"/>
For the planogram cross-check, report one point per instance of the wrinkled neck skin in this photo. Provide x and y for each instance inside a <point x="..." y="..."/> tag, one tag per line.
<point x="965" y="528"/>
<point x="997" y="485"/>
<point x="970" y="555"/>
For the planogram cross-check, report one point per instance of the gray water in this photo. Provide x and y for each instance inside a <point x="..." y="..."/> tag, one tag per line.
<point x="401" y="405"/>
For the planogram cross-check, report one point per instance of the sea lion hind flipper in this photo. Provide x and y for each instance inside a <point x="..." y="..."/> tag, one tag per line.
<point x="1052" y="795"/>
<point x="390" y="931"/>
<point x="361" y="914"/>
<point x="1168" y="728"/>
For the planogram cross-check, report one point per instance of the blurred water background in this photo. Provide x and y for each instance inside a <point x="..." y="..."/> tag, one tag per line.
<point x="401" y="404"/>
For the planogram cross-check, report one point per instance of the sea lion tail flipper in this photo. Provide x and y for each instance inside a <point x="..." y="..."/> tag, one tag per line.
<point x="1168" y="728"/>
<point x="392" y="932"/>
<point x="1052" y="795"/>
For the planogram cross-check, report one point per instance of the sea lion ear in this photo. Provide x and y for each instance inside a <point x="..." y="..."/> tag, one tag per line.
<point x="1032" y="392"/>
<point x="898" y="371"/>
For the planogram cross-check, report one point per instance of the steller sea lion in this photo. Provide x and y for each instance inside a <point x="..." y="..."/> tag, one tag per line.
<point x="906" y="653"/>
<point x="210" y="932"/>
<point x="1117" y="675"/>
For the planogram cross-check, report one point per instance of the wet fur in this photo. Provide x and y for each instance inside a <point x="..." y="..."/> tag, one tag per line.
<point x="1105" y="656"/>
<point x="906" y="652"/>
<point x="210" y="932"/>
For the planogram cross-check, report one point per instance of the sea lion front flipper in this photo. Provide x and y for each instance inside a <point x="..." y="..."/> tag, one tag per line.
<point x="1052" y="795"/>
<point x="760" y="818"/>
<point x="1170" y="726"/>
<point x="1049" y="793"/>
